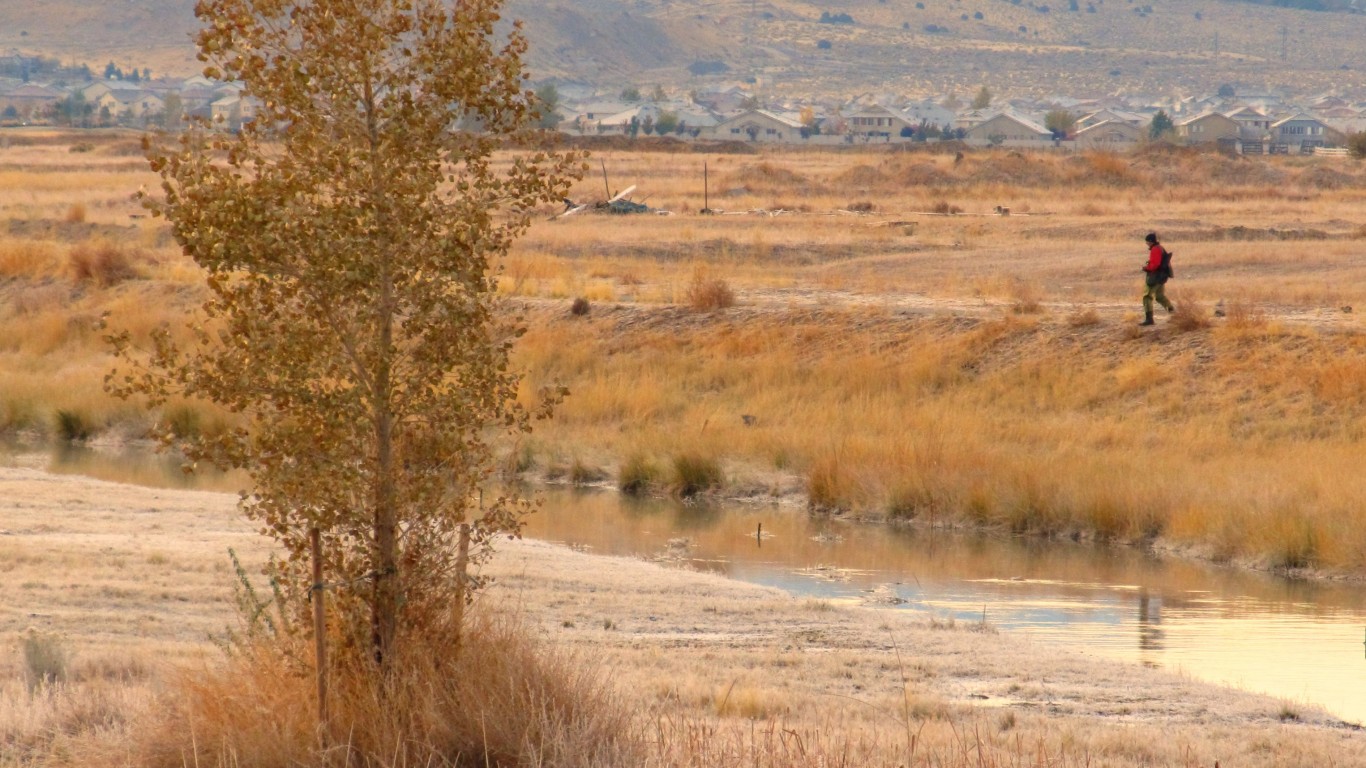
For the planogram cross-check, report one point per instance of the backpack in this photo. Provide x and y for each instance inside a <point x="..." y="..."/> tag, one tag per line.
<point x="1165" y="270"/>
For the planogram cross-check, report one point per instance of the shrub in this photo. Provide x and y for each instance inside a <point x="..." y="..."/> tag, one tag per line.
<point x="709" y="293"/>
<point x="74" y="426"/>
<point x="100" y="263"/>
<point x="1356" y="143"/>
<point x="498" y="698"/>
<point x="1189" y="316"/>
<point x="1242" y="313"/>
<point x="45" y="660"/>
<point x="579" y="308"/>
<point x="1027" y="301"/>
<point x="694" y="473"/>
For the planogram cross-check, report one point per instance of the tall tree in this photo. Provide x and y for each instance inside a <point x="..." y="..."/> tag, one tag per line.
<point x="346" y="235"/>
<point x="983" y="98"/>
<point x="547" y="106"/>
<point x="1160" y="126"/>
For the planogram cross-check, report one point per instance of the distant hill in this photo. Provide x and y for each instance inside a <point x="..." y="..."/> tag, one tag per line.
<point x="835" y="47"/>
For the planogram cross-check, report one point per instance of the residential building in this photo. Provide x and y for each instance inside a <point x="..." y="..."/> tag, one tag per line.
<point x="760" y="126"/>
<point x="1206" y="128"/>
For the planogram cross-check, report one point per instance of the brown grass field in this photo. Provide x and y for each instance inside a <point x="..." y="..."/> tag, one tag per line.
<point x="892" y="362"/>
<point x="835" y="335"/>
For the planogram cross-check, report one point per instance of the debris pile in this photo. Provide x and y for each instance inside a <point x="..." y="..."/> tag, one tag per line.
<point x="619" y="204"/>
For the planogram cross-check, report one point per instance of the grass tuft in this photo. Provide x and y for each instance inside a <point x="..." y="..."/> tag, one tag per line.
<point x="695" y="473"/>
<point x="582" y="473"/>
<point x="706" y="293"/>
<point x="637" y="475"/>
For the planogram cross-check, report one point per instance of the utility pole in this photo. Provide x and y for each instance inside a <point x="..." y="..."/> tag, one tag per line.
<point x="1285" y="37"/>
<point x="1216" y="44"/>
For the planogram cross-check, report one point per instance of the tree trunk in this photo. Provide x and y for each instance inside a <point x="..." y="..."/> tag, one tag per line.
<point x="385" y="611"/>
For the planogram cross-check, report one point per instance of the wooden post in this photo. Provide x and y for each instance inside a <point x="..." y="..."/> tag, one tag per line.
<point x="706" y="189"/>
<point x="320" y="634"/>
<point x="606" y="187"/>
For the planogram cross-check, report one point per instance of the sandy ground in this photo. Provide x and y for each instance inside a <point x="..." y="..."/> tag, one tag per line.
<point x="123" y="571"/>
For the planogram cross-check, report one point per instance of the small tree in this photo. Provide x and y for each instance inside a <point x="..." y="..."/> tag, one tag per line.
<point x="983" y="98"/>
<point x="667" y="122"/>
<point x="1059" y="121"/>
<point x="630" y="94"/>
<point x="346" y="236"/>
<point x="1160" y="126"/>
<point x="547" y="106"/>
<point x="1356" y="144"/>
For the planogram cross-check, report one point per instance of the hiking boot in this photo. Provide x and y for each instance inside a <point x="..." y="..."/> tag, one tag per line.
<point x="1147" y="318"/>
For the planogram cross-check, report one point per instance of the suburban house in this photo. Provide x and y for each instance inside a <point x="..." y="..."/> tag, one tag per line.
<point x="1110" y="116"/>
<point x="137" y="105"/>
<point x="1007" y="128"/>
<point x="1301" y="133"/>
<point x="1110" y="134"/>
<point x="876" y="123"/>
<point x="927" y="112"/>
<point x="29" y="101"/>
<point x="971" y="118"/>
<point x="1206" y="128"/>
<point x="1253" y="124"/>
<point x="230" y="111"/>
<point x="759" y="125"/>
<point x="724" y="100"/>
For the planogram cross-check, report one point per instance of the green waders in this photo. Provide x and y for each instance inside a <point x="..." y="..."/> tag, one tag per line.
<point x="1157" y="291"/>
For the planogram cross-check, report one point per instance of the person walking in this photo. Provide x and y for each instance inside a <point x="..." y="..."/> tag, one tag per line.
<point x="1156" y="273"/>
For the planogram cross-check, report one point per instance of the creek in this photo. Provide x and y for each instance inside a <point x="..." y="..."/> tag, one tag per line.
<point x="1301" y="641"/>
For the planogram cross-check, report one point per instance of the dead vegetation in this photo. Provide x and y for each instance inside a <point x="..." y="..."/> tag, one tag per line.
<point x="997" y="330"/>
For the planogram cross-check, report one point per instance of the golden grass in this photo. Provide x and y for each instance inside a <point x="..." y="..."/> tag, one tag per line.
<point x="921" y="358"/>
<point x="500" y="699"/>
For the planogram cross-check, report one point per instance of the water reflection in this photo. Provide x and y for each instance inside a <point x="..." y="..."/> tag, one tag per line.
<point x="1149" y="625"/>
<point x="136" y="465"/>
<point x="1298" y="640"/>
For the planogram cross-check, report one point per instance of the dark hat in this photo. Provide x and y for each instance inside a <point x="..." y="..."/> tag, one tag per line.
<point x="1152" y="237"/>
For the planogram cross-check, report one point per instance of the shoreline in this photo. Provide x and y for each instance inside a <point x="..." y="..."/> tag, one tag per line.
<point x="794" y="500"/>
<point x="124" y="571"/>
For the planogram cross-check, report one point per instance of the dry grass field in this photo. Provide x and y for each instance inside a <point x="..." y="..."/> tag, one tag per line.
<point x="859" y="330"/>
<point x="115" y="590"/>
<point x="931" y="48"/>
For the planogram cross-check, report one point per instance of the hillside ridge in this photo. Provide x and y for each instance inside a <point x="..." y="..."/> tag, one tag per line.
<point x="1084" y="48"/>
